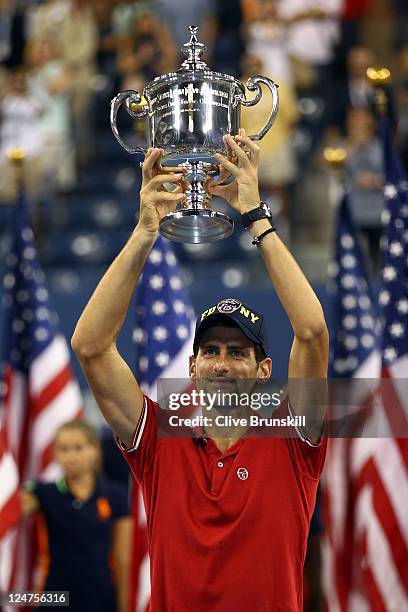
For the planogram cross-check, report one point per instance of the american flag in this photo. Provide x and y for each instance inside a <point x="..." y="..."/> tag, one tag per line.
<point x="365" y="551"/>
<point x="40" y="391"/>
<point x="9" y="496"/>
<point x="163" y="334"/>
<point x="165" y="320"/>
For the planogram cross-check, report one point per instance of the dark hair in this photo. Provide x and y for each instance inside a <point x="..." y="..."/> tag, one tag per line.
<point x="259" y="352"/>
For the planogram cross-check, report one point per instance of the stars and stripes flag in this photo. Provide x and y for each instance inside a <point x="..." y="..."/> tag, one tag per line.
<point x="164" y="337"/>
<point x="40" y="391"/>
<point x="365" y="550"/>
<point x="9" y="480"/>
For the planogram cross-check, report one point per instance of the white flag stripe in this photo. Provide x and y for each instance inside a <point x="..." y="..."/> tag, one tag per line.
<point x="63" y="408"/>
<point x="399" y="371"/>
<point x="142" y="520"/>
<point x="8" y="478"/>
<point x="48" y="364"/>
<point x="15" y="413"/>
<point x="370" y="367"/>
<point x="336" y="480"/>
<point x="379" y="557"/>
<point x="7" y="544"/>
<point x="391" y="468"/>
<point x="24" y="551"/>
<point x="357" y="603"/>
<point x="328" y="576"/>
<point x="143" y="595"/>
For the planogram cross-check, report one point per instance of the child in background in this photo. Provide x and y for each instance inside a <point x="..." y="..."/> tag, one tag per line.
<point x="85" y="525"/>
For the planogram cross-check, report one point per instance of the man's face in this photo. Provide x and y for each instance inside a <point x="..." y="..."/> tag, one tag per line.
<point x="225" y="357"/>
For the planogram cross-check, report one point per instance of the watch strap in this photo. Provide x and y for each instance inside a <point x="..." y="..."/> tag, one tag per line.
<point x="260" y="212"/>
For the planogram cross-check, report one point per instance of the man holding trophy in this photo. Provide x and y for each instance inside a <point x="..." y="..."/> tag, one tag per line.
<point x="228" y="517"/>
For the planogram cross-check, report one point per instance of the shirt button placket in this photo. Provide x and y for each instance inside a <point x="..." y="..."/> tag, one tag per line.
<point x="218" y="477"/>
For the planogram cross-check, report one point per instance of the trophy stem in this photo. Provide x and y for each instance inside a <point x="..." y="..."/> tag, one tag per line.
<point x="195" y="222"/>
<point x="196" y="196"/>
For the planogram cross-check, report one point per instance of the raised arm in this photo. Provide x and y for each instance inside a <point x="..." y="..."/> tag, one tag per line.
<point x="309" y="354"/>
<point x="94" y="341"/>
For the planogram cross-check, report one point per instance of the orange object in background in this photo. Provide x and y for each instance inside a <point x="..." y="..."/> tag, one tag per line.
<point x="104" y="509"/>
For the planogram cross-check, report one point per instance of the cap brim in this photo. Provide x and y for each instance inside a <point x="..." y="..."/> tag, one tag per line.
<point x="217" y="319"/>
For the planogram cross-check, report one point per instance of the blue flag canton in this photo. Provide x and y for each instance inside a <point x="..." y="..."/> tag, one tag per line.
<point x="394" y="276"/>
<point x="354" y="316"/>
<point x="30" y="321"/>
<point x="164" y="313"/>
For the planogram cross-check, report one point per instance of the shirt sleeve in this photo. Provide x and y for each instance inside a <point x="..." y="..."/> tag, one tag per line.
<point x="140" y="454"/>
<point x="307" y="456"/>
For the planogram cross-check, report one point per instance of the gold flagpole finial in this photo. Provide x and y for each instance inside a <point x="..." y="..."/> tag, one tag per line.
<point x="379" y="77"/>
<point x="17" y="155"/>
<point x="335" y="157"/>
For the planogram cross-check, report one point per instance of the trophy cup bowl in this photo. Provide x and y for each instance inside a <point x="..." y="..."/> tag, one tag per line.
<point x="188" y="112"/>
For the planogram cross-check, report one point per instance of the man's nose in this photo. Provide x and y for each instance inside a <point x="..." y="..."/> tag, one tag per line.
<point x="221" y="366"/>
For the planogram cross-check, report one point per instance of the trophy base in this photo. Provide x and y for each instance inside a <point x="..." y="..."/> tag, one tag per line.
<point x="196" y="226"/>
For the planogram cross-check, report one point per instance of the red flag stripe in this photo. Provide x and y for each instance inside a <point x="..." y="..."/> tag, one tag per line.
<point x="51" y="391"/>
<point x="10" y="513"/>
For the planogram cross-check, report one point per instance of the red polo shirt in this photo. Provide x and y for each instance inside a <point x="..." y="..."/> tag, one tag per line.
<point x="227" y="531"/>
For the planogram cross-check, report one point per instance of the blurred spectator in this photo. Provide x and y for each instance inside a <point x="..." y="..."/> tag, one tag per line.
<point x="312" y="33"/>
<point x="78" y="40"/>
<point x="352" y="16"/>
<point x="224" y="37"/>
<point x="355" y="92"/>
<point x="108" y="39"/>
<point x="126" y="13"/>
<point x="401" y="22"/>
<point x="45" y="20"/>
<point x="402" y="126"/>
<point x="84" y="526"/>
<point x="178" y="15"/>
<point x="148" y="52"/>
<point x="277" y="166"/>
<point x="50" y="82"/>
<point x="352" y="91"/>
<point x="12" y="33"/>
<point x="266" y="38"/>
<point x="365" y="179"/>
<point x="20" y="114"/>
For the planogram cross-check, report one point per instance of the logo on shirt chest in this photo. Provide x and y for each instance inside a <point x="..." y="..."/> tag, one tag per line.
<point x="242" y="473"/>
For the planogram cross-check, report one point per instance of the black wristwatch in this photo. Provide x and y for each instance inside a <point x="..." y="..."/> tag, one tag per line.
<point x="261" y="212"/>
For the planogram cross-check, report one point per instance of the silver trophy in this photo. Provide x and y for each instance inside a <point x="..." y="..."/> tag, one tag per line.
<point x="188" y="113"/>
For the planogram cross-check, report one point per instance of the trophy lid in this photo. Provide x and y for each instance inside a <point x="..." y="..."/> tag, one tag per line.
<point x="192" y="67"/>
<point x="193" y="51"/>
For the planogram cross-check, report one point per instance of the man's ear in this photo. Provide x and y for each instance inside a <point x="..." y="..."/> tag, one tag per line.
<point x="192" y="366"/>
<point x="265" y="369"/>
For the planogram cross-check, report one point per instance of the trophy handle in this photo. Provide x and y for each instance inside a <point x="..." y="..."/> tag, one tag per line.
<point x="130" y="97"/>
<point x="253" y="85"/>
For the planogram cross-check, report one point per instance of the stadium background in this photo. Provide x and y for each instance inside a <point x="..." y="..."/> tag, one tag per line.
<point x="82" y="222"/>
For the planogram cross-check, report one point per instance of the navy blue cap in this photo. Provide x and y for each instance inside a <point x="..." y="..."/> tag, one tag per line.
<point x="249" y="321"/>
